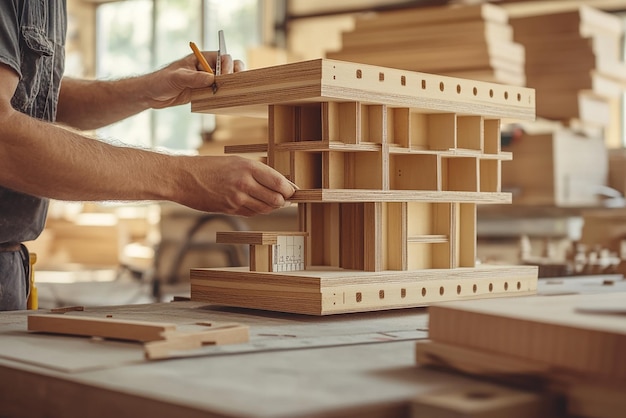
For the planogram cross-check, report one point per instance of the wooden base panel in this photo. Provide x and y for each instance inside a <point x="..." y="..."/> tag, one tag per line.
<point x="332" y="291"/>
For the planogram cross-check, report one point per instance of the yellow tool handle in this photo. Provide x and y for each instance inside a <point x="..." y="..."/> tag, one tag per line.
<point x="33" y="298"/>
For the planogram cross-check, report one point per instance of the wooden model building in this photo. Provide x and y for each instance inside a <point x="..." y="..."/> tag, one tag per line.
<point x="390" y="166"/>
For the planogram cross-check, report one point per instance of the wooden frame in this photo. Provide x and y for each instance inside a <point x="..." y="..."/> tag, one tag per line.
<point x="390" y="165"/>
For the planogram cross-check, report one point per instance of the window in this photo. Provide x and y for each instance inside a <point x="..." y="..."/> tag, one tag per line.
<point x="139" y="36"/>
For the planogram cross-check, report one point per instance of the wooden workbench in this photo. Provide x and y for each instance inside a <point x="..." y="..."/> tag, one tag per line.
<point x="294" y="366"/>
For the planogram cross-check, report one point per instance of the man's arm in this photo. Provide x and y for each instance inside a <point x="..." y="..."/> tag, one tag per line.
<point x="92" y="104"/>
<point x="42" y="159"/>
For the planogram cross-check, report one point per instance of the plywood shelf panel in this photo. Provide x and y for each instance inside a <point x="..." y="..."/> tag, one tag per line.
<point x="350" y="195"/>
<point x="250" y="92"/>
<point x="315" y="146"/>
<point x="429" y="239"/>
<point x="254" y="237"/>
<point x="457" y="152"/>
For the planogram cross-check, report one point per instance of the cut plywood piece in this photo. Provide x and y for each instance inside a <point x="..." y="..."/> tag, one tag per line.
<point x="100" y="327"/>
<point x="250" y="92"/>
<point x="372" y="195"/>
<point x="325" y="291"/>
<point x="161" y="340"/>
<point x="553" y="329"/>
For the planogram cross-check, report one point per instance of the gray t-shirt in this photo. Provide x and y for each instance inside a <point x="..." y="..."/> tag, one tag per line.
<point x="32" y="39"/>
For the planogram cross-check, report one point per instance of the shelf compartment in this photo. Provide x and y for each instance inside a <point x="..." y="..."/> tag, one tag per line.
<point x="490" y="175"/>
<point x="398" y="126"/>
<point x="341" y="121"/>
<point x="414" y="172"/>
<point x="373" y="123"/>
<point x="492" y="136"/>
<point x="434" y="131"/>
<point x="469" y="133"/>
<point x="460" y="174"/>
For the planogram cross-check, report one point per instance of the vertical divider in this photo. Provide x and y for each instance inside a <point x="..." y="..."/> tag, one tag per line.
<point x="396" y="231"/>
<point x="443" y="224"/>
<point x="467" y="235"/>
<point x="372" y="236"/>
<point x="282" y="129"/>
<point x="492" y="136"/>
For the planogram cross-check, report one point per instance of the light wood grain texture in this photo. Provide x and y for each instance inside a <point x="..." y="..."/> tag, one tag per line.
<point x="433" y="15"/>
<point x="100" y="327"/>
<point x="466" y="41"/>
<point x="324" y="291"/>
<point x="549" y="330"/>
<point x="581" y="395"/>
<point x="508" y="55"/>
<point x="572" y="58"/>
<point x="250" y="92"/>
<point x="161" y="339"/>
<point x="179" y="341"/>
<point x="362" y="195"/>
<point x="254" y="237"/>
<point x="463" y="32"/>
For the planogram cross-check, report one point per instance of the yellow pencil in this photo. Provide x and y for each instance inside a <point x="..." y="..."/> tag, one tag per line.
<point x="201" y="58"/>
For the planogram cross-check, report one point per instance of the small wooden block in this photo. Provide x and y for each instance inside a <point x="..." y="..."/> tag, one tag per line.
<point x="254" y="237"/>
<point x="179" y="341"/>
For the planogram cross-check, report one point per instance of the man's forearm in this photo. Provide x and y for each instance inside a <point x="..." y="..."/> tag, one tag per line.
<point x="41" y="159"/>
<point x="92" y="104"/>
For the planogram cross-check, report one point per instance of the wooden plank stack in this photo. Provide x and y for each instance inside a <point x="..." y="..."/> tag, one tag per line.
<point x="473" y="42"/>
<point x="574" y="61"/>
<point x="571" y="345"/>
<point x="556" y="167"/>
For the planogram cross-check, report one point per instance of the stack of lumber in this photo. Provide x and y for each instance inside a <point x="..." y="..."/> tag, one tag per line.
<point x="572" y="346"/>
<point x="555" y="166"/>
<point x="473" y="42"/>
<point x="573" y="60"/>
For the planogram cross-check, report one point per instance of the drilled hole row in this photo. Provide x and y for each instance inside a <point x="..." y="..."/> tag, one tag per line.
<point x="442" y="87"/>
<point x="442" y="291"/>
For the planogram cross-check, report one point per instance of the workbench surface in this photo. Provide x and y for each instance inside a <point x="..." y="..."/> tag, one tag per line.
<point x="294" y="366"/>
<point x="277" y="374"/>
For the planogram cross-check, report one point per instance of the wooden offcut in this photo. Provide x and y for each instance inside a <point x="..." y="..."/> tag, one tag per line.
<point x="161" y="340"/>
<point x="578" y="333"/>
<point x="390" y="165"/>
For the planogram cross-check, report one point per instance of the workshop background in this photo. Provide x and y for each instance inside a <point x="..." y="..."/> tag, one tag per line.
<point x="567" y="177"/>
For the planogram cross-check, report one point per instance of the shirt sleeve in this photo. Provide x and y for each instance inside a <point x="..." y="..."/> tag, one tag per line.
<point x="9" y="35"/>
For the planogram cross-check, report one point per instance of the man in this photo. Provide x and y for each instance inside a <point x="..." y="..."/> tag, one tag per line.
<point x="40" y="159"/>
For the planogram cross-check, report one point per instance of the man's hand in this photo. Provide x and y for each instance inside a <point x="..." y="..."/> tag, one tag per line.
<point x="92" y="104"/>
<point x="171" y="86"/>
<point x="231" y="184"/>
